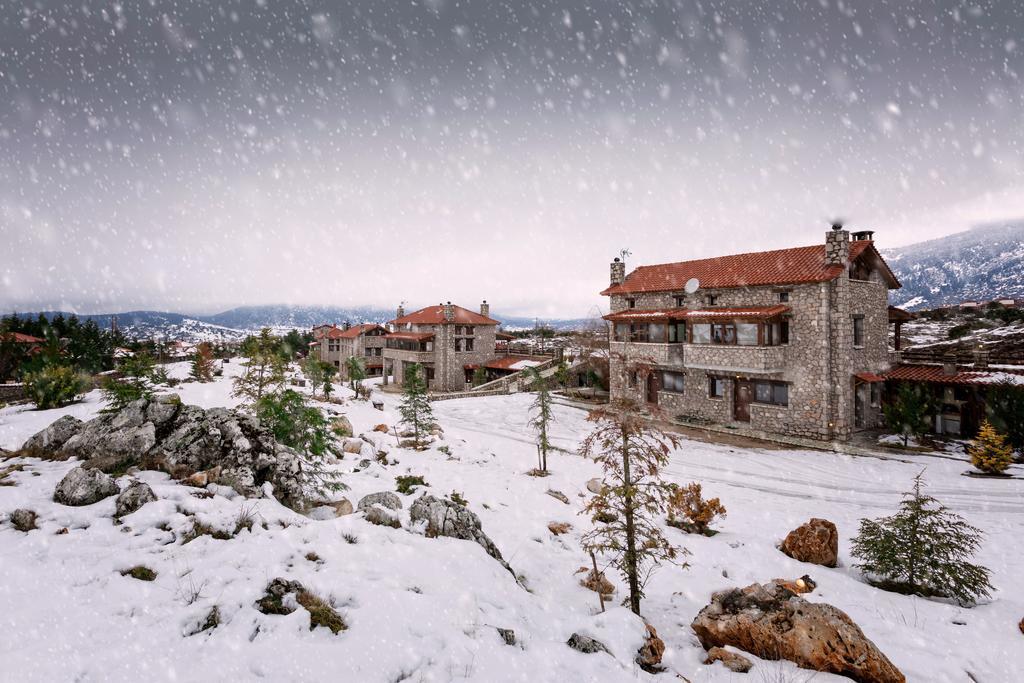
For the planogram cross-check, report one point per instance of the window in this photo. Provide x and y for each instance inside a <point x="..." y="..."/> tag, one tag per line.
<point x="711" y="299"/>
<point x="876" y="395"/>
<point x="746" y="334"/>
<point x="777" y="333"/>
<point x="723" y="333"/>
<point x="783" y="297"/>
<point x="673" y="382"/>
<point x="337" y="363"/>
<point x="631" y="379"/>
<point x="680" y="300"/>
<point x="676" y="333"/>
<point x="463" y="344"/>
<point x="631" y="303"/>
<point x="701" y="333"/>
<point x="772" y="393"/>
<point x="716" y="387"/>
<point x="858" y="330"/>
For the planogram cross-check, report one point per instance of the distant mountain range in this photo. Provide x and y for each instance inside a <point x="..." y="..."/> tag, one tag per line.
<point x="236" y="323"/>
<point x="981" y="264"/>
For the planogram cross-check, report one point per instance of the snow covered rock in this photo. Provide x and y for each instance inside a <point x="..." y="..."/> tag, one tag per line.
<point x="773" y="623"/>
<point x="382" y="516"/>
<point x="23" y="520"/>
<point x="83" y="486"/>
<point x="586" y="644"/>
<point x="447" y="518"/>
<point x="595" y="485"/>
<point x="733" y="661"/>
<point x="558" y="495"/>
<point x="183" y="440"/>
<point x="386" y="498"/>
<point x="50" y="439"/>
<point x="816" y="542"/>
<point x="353" y="445"/>
<point x="342" y="507"/>
<point x="132" y="498"/>
<point x="342" y="426"/>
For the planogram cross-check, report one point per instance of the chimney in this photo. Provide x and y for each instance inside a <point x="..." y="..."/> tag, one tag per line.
<point x="449" y="312"/>
<point x="837" y="246"/>
<point x="981" y="358"/>
<point x="485" y="309"/>
<point x="400" y="312"/>
<point x="346" y="325"/>
<point x="618" y="271"/>
<point x="949" y="364"/>
<point x="864" y="236"/>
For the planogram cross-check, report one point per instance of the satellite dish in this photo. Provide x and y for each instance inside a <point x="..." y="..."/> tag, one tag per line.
<point x="692" y="285"/>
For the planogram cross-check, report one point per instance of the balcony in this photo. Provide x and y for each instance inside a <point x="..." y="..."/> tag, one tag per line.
<point x="757" y="359"/>
<point x="653" y="353"/>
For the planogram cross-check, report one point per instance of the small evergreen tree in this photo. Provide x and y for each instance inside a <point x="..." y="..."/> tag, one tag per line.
<point x="356" y="372"/>
<point x="632" y="453"/>
<point x="202" y="363"/>
<point x="907" y="414"/>
<point x="313" y="370"/>
<point x="135" y="382"/>
<point x="415" y="408"/>
<point x="479" y="376"/>
<point x="562" y="374"/>
<point x="303" y="428"/>
<point x="923" y="550"/>
<point x="329" y="371"/>
<point x="541" y="417"/>
<point x="264" y="368"/>
<point x="989" y="451"/>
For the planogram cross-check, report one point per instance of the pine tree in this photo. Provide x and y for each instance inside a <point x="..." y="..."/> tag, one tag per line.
<point x="313" y="370"/>
<point x="541" y="417"/>
<point x="202" y="363"/>
<point x="989" y="451"/>
<point x="632" y="453"/>
<point x="907" y="414"/>
<point x="135" y="382"/>
<point x="922" y="550"/>
<point x="415" y="408"/>
<point x="356" y="372"/>
<point x="329" y="371"/>
<point x="305" y="429"/>
<point x="264" y="368"/>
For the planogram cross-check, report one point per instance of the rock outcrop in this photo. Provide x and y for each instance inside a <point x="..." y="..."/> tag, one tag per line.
<point x="586" y="644"/>
<point x="385" y="498"/>
<point x="132" y="498"/>
<point x="83" y="486"/>
<point x="51" y="439"/>
<point x="447" y="518"/>
<point x="816" y="542"/>
<point x="772" y="622"/>
<point x="650" y="653"/>
<point x="184" y="440"/>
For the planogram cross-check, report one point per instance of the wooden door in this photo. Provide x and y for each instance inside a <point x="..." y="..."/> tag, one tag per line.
<point x="653" y="387"/>
<point x="742" y="397"/>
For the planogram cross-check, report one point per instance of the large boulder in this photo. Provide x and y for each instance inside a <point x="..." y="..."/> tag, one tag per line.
<point x="132" y="498"/>
<point x="161" y="433"/>
<point x="816" y="542"/>
<point x="447" y="518"/>
<point x="83" y="486"/>
<point x="51" y="439"/>
<point x="772" y="622"/>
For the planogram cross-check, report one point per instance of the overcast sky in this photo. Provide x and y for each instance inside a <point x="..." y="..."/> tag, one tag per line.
<point x="197" y="155"/>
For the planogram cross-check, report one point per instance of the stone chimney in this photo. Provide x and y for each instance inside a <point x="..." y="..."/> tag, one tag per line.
<point x="837" y="246"/>
<point x="485" y="309"/>
<point x="949" y="364"/>
<point x="400" y="312"/>
<point x="981" y="358"/>
<point x="449" y="312"/>
<point x="346" y="325"/>
<point x="618" y="271"/>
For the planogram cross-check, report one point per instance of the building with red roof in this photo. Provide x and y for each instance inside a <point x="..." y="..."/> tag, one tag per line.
<point x="447" y="341"/>
<point x="790" y="341"/>
<point x="365" y="341"/>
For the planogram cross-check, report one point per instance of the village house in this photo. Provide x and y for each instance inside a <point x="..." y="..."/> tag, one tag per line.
<point x="365" y="341"/>
<point x="791" y="342"/>
<point x="448" y="341"/>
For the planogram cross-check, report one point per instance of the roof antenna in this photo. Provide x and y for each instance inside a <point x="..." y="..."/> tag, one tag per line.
<point x="623" y="253"/>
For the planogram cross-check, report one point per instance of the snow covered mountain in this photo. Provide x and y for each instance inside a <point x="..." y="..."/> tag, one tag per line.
<point x="981" y="264"/>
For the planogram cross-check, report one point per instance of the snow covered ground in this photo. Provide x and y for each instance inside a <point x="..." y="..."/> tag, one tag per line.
<point x="422" y="609"/>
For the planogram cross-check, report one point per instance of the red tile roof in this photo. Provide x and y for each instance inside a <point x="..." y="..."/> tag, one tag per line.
<point x="869" y="377"/>
<point x="352" y="332"/>
<point x="19" y="338"/>
<point x="799" y="265"/>
<point x="511" y="362"/>
<point x="657" y="315"/>
<point x="935" y="374"/>
<point x="434" y="315"/>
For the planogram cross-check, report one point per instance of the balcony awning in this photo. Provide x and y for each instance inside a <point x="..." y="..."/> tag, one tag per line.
<point x="738" y="313"/>
<point x="650" y="316"/>
<point x="869" y="377"/>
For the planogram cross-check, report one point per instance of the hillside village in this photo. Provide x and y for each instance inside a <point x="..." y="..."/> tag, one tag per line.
<point x="432" y="498"/>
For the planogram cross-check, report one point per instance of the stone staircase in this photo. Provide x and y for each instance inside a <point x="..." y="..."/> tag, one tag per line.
<point x="517" y="381"/>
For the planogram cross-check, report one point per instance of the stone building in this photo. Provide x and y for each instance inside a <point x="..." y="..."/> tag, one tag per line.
<point x="447" y="340"/>
<point x="791" y="341"/>
<point x="365" y="341"/>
